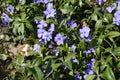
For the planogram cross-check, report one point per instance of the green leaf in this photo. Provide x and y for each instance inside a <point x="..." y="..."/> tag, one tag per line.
<point x="117" y="51"/>
<point x="72" y="1"/>
<point x="55" y="66"/>
<point x="108" y="74"/>
<point x="113" y="34"/>
<point x="80" y="3"/>
<point x="69" y="56"/>
<point x="98" y="24"/>
<point x="68" y="64"/>
<point x="20" y="59"/>
<point x="31" y="52"/>
<point x="39" y="73"/>
<point x="37" y="61"/>
<point x="94" y="17"/>
<point x="90" y="77"/>
<point x="36" y="72"/>
<point x="29" y="26"/>
<point x="118" y="65"/>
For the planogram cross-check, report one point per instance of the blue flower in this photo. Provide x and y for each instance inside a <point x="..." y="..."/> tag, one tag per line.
<point x="56" y="51"/>
<point x="111" y="8"/>
<point x="89" y="51"/>
<point x="64" y="67"/>
<point x="85" y="34"/>
<point x="49" y="12"/>
<point x="100" y="1"/>
<point x="87" y="72"/>
<point x="40" y="32"/>
<point x="72" y="23"/>
<point x="5" y="19"/>
<point x="44" y="36"/>
<point x="73" y="47"/>
<point x="116" y="18"/>
<point x="74" y="60"/>
<point x="41" y="24"/>
<point x="20" y="1"/>
<point x="77" y="76"/>
<point x="36" y="47"/>
<point x="50" y="46"/>
<point x="51" y="28"/>
<point x="10" y="9"/>
<point x="41" y="1"/>
<point x="59" y="39"/>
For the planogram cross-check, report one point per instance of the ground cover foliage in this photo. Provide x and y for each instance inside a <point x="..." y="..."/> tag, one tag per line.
<point x="59" y="40"/>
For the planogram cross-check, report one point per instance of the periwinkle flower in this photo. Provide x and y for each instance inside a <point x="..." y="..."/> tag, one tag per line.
<point x="20" y="1"/>
<point x="77" y="76"/>
<point x="87" y="72"/>
<point x="40" y="32"/>
<point x="59" y="39"/>
<point x="72" y="23"/>
<point x="36" y="47"/>
<point x="68" y="41"/>
<point x="50" y="46"/>
<point x="49" y="12"/>
<point x="100" y="1"/>
<point x="64" y="67"/>
<point x="111" y="8"/>
<point x="5" y="19"/>
<point x="41" y="24"/>
<point x="89" y="51"/>
<point x="45" y="37"/>
<point x="51" y="28"/>
<point x="49" y="6"/>
<point x="49" y="73"/>
<point x="10" y="9"/>
<point x="116" y="18"/>
<point x="73" y="47"/>
<point x="90" y="64"/>
<point x="84" y="32"/>
<point x="56" y="51"/>
<point x="41" y="1"/>
<point x="74" y="60"/>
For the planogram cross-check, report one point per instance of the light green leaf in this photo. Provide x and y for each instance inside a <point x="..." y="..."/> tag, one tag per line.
<point x="117" y="51"/>
<point x="90" y="77"/>
<point x="55" y="66"/>
<point x="108" y="74"/>
<point x="39" y="73"/>
<point x="113" y="34"/>
<point x="68" y="64"/>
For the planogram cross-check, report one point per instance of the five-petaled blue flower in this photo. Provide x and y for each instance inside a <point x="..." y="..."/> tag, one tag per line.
<point x="72" y="23"/>
<point x="59" y="39"/>
<point x="49" y="12"/>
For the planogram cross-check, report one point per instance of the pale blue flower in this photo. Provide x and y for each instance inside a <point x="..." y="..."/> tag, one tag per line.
<point x="59" y="39"/>
<point x="5" y="19"/>
<point x="49" y="12"/>
<point x="100" y="1"/>
<point x="10" y="9"/>
<point x="73" y="47"/>
<point x="72" y="23"/>
<point x="36" y="47"/>
<point x="84" y="32"/>
<point x="111" y="8"/>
